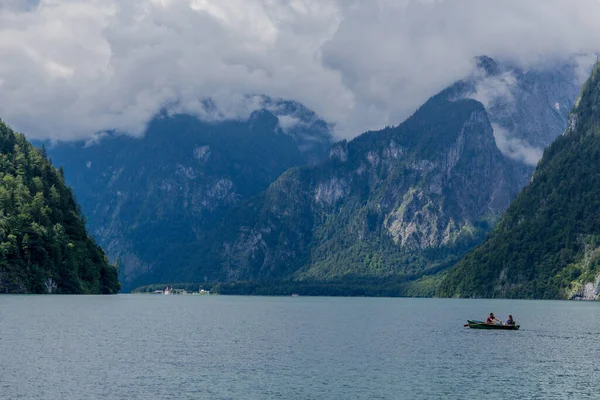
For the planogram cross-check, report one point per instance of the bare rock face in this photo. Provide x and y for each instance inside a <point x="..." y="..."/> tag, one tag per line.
<point x="589" y="291"/>
<point x="332" y="191"/>
<point x="339" y="151"/>
<point x="528" y="108"/>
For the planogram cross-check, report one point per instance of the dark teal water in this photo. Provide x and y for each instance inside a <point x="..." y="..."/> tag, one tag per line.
<point x="218" y="347"/>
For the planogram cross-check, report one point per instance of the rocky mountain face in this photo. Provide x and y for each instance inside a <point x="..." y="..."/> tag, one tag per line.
<point x="403" y="202"/>
<point x="44" y="246"/>
<point x="547" y="245"/>
<point x="528" y="109"/>
<point x="154" y="202"/>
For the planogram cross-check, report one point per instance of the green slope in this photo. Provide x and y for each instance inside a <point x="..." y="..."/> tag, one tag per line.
<point x="547" y="245"/>
<point x="44" y="246"/>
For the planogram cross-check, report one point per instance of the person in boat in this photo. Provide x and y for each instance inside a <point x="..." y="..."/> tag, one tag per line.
<point x="510" y="321"/>
<point x="492" y="319"/>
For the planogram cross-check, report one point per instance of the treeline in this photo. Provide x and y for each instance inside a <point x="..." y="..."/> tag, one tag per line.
<point x="287" y="288"/>
<point x="44" y="246"/>
<point x="359" y="287"/>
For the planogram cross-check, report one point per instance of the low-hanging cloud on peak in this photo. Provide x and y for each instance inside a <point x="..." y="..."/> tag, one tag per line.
<point x="516" y="148"/>
<point x="71" y="69"/>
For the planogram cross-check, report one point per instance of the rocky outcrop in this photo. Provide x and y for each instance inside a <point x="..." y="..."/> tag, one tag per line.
<point x="589" y="291"/>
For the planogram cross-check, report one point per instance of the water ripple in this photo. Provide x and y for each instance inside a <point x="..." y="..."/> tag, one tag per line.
<point x="218" y="347"/>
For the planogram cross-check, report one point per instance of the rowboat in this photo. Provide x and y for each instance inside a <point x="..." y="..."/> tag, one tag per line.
<point x="484" y="325"/>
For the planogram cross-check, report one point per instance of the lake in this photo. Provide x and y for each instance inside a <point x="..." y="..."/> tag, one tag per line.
<point x="221" y="347"/>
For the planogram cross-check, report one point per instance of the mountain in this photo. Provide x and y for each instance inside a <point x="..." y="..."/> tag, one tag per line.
<point x="44" y="246"/>
<point x="393" y="208"/>
<point x="531" y="105"/>
<point x="547" y="245"/>
<point x="155" y="201"/>
<point x="528" y="108"/>
<point x="399" y="203"/>
<point x="191" y="201"/>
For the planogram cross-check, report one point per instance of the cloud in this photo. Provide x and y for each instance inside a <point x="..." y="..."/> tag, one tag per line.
<point x="515" y="148"/>
<point x="71" y="69"/>
<point x="496" y="88"/>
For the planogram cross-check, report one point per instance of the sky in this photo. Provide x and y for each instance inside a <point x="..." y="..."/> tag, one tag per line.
<point x="72" y="68"/>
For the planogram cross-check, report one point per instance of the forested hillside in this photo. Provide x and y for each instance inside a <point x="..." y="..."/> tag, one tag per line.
<point x="44" y="246"/>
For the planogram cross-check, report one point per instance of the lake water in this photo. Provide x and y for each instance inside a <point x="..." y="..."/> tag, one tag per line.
<point x="220" y="347"/>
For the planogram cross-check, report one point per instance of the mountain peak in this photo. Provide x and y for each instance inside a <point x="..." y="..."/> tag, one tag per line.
<point x="263" y="119"/>
<point x="487" y="65"/>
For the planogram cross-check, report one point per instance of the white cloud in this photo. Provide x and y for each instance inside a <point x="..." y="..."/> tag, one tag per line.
<point x="515" y="148"/>
<point x="70" y="68"/>
<point x="286" y="122"/>
<point x="496" y="88"/>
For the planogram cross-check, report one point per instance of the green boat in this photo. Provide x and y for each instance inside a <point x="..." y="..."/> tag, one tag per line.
<point x="484" y="325"/>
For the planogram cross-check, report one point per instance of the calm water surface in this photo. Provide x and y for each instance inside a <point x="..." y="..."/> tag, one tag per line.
<point x="220" y="347"/>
